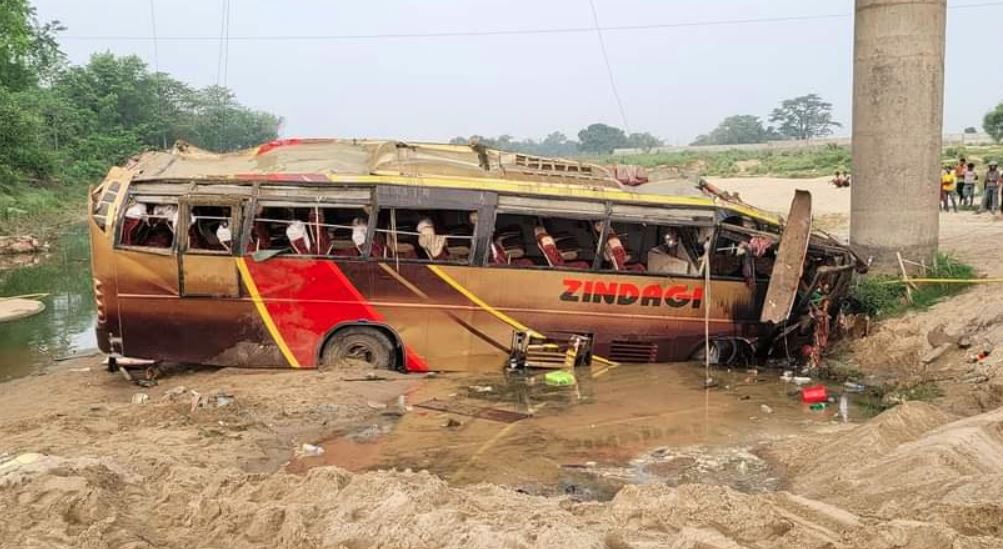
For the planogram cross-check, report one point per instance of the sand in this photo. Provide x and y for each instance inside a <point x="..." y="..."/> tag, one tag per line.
<point x="85" y="467"/>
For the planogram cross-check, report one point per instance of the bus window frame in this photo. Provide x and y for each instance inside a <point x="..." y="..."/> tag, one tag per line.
<point x="547" y="214"/>
<point x="738" y="229"/>
<point x="185" y="215"/>
<point x="394" y="258"/>
<point x="175" y="200"/>
<point x="321" y="203"/>
<point x="657" y="223"/>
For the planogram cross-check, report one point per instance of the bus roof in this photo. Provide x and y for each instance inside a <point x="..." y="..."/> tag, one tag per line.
<point x="320" y="161"/>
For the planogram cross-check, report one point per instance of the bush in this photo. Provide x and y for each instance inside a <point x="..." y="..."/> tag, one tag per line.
<point x="885" y="295"/>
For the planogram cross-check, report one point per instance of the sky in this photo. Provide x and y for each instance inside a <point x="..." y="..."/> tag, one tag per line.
<point x="674" y="82"/>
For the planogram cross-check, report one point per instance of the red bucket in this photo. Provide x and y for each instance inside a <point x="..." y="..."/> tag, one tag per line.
<point x="813" y="394"/>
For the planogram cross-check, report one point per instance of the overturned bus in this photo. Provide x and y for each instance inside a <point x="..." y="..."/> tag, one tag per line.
<point x="303" y="253"/>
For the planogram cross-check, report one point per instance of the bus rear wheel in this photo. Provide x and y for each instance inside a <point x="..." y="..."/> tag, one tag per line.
<point x="359" y="344"/>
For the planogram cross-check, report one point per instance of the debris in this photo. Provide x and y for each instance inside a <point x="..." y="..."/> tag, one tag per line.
<point x="175" y="392"/>
<point x="146" y="382"/>
<point x="981" y="356"/>
<point x="964" y="342"/>
<point x="481" y="388"/>
<point x="765" y="409"/>
<point x="853" y="387"/>
<point x="399" y="408"/>
<point x="14" y="309"/>
<point x="79" y="370"/>
<point x="938" y="337"/>
<point x="222" y="399"/>
<point x="787" y="376"/>
<point x="844" y="408"/>
<point x="801" y="380"/>
<point x="376" y="405"/>
<point x="814" y="394"/>
<point x="559" y="378"/>
<point x="935" y="353"/>
<point x="709" y="383"/>
<point x="817" y="407"/>
<point x="429" y="375"/>
<point x="140" y="398"/>
<point x="310" y="450"/>
<point x="451" y="423"/>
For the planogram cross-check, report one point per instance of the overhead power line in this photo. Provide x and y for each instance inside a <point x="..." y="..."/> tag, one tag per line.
<point x="499" y="32"/>
<point x="609" y="68"/>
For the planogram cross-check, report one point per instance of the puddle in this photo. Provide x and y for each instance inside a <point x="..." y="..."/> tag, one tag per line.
<point x="633" y="424"/>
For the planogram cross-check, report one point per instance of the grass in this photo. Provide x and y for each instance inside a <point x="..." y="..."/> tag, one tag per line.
<point x="815" y="162"/>
<point x="884" y="295"/>
<point x="37" y="210"/>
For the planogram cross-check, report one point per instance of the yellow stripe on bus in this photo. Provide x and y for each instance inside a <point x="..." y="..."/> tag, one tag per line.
<point x="500" y="315"/>
<point x="259" y="303"/>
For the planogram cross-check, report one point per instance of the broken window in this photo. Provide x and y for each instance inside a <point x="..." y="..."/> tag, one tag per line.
<point x="743" y="253"/>
<point x="149" y="222"/>
<point x="522" y="240"/>
<point x="658" y="249"/>
<point x="211" y="229"/>
<point x="425" y="235"/>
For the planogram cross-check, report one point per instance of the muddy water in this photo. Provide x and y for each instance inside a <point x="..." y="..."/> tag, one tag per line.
<point x="66" y="326"/>
<point x="632" y="424"/>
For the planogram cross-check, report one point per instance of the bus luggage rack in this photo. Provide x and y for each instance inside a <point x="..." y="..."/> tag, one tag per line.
<point x="530" y="351"/>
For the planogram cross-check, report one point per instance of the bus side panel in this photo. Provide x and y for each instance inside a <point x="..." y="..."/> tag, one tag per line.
<point x="666" y="311"/>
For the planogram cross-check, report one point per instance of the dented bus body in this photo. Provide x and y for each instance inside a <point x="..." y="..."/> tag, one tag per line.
<point x="421" y="257"/>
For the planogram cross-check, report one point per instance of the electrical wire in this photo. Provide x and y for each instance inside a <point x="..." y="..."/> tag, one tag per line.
<point x="503" y="32"/>
<point x="156" y="69"/>
<point x="609" y="68"/>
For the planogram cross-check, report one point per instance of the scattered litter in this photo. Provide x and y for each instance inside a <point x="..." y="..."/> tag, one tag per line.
<point x="981" y="356"/>
<point x="310" y="450"/>
<point x="817" y="407"/>
<point x="431" y="374"/>
<point x="146" y="383"/>
<point x="140" y="398"/>
<point x="376" y="405"/>
<point x="745" y="397"/>
<point x="814" y="394"/>
<point x="79" y="370"/>
<point x="481" y="388"/>
<point x="559" y="378"/>
<point x="787" y="376"/>
<point x="399" y="408"/>
<point x="175" y="392"/>
<point x="765" y="409"/>
<point x="221" y="399"/>
<point x="853" y="387"/>
<point x="801" y="380"/>
<point x="844" y="408"/>
<point x="709" y="383"/>
<point x="451" y="423"/>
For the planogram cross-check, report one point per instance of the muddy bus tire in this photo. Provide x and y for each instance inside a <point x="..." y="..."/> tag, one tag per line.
<point x="359" y="343"/>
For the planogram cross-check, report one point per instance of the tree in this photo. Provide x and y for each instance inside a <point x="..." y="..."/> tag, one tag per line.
<point x="804" y="117"/>
<point x="993" y="123"/>
<point x="644" y="141"/>
<point x="971" y="129"/>
<point x="601" y="139"/>
<point x="737" y="129"/>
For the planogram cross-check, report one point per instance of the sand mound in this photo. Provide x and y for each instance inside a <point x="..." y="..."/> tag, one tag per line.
<point x="55" y="502"/>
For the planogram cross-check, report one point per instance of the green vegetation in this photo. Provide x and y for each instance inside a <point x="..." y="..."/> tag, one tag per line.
<point x="814" y="162"/>
<point x="993" y="123"/>
<point x="884" y="295"/>
<point x="62" y="126"/>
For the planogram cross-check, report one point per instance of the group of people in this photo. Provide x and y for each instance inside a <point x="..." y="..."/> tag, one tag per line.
<point x="841" y="179"/>
<point x="959" y="182"/>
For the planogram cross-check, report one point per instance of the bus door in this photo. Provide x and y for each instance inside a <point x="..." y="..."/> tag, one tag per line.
<point x="211" y="233"/>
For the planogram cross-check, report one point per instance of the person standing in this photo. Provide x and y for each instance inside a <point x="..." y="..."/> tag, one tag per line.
<point x="959" y="177"/>
<point x="948" y="188"/>
<point x="968" y="196"/>
<point x="992" y="182"/>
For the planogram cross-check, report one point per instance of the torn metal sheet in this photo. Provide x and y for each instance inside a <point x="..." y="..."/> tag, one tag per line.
<point x="789" y="266"/>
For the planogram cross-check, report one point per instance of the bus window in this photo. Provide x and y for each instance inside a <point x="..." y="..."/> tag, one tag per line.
<point x="149" y="222"/>
<point x="310" y="230"/>
<point x="657" y="249"/>
<point x="743" y="254"/>
<point x="528" y="240"/>
<point x="210" y="229"/>
<point x="445" y="236"/>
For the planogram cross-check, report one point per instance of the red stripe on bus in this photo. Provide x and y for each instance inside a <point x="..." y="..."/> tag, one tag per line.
<point x="308" y="297"/>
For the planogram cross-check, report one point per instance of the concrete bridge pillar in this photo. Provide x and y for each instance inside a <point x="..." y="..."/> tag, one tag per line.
<point x="898" y="106"/>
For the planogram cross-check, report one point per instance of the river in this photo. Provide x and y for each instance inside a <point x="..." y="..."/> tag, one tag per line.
<point x="66" y="327"/>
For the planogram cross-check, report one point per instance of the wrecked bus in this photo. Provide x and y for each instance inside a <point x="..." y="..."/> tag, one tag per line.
<point x="303" y="253"/>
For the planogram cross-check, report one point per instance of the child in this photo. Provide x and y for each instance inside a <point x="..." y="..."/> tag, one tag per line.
<point x="948" y="185"/>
